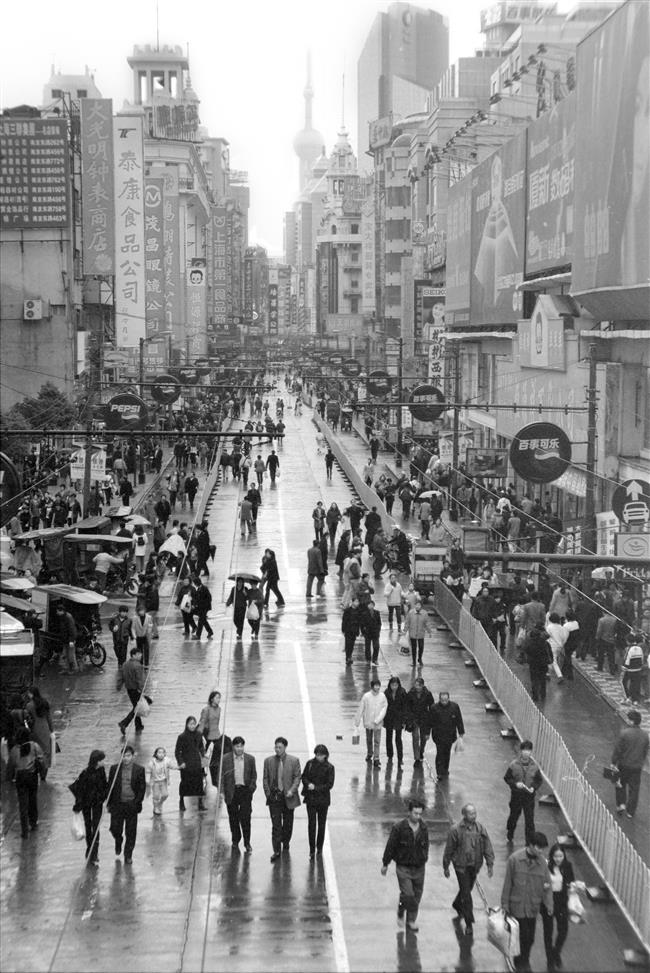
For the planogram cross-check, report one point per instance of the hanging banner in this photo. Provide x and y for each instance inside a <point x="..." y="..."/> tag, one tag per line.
<point x="219" y="270"/>
<point x="129" y="231"/>
<point x="97" y="463"/>
<point x="154" y="259"/>
<point x="273" y="300"/>
<point x="368" y="255"/>
<point x="173" y="283"/>
<point x="540" y="452"/>
<point x="197" y="308"/>
<point x="97" y="187"/>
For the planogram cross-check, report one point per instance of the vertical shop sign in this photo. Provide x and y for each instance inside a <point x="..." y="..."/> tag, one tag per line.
<point x="459" y="229"/>
<point x="154" y="256"/>
<point x="219" y="268"/>
<point x="173" y="290"/>
<point x="273" y="301"/>
<point x="97" y="188"/>
<point x="197" y="308"/>
<point x="129" y="231"/>
<point x="368" y="255"/>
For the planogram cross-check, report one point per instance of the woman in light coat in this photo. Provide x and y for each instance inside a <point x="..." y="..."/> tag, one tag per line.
<point x="394" y="595"/>
<point x="557" y="636"/>
<point x="209" y="726"/>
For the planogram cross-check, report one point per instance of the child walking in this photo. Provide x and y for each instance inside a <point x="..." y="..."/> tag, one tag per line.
<point x="159" y="777"/>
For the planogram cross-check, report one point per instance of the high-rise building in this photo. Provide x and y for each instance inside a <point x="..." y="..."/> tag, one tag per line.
<point x="404" y="56"/>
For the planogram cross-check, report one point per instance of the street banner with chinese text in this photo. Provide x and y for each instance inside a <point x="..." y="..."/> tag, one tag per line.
<point x="219" y="269"/>
<point x="171" y="249"/>
<point x="97" y="189"/>
<point x="154" y="256"/>
<point x="129" y="231"/>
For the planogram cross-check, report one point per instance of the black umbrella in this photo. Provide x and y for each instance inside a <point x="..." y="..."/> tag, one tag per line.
<point x="245" y="576"/>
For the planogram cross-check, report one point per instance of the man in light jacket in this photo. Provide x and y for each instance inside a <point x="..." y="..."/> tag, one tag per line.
<point x="416" y="625"/>
<point x="526" y="886"/>
<point x="281" y="780"/>
<point x="371" y="712"/>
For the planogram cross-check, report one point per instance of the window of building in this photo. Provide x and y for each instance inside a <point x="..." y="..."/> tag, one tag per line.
<point x="333" y="231"/>
<point x="82" y="92"/>
<point x="354" y="305"/>
<point x="354" y="257"/>
<point x="57" y="93"/>
<point x="354" y="228"/>
<point x="173" y="84"/>
<point x="354" y="284"/>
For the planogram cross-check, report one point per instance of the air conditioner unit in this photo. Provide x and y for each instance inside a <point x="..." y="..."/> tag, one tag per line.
<point x="32" y="310"/>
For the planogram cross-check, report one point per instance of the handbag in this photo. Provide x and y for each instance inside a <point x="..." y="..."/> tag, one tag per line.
<point x="77" y="826"/>
<point x="575" y="908"/>
<point x="253" y="612"/>
<point x="611" y="773"/>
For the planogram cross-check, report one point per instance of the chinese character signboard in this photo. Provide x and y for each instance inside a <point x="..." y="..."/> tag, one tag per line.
<point x="219" y="269"/>
<point x="173" y="289"/>
<point x="430" y="327"/>
<point x="550" y="183"/>
<point x="34" y="179"/>
<point x="97" y="199"/>
<point x="612" y="196"/>
<point x="197" y="307"/>
<point x="459" y="226"/>
<point x="273" y="301"/>
<point x="129" y="231"/>
<point x="379" y="131"/>
<point x="154" y="256"/>
<point x="498" y="212"/>
<point x="540" y="452"/>
<point x="248" y="288"/>
<point x="368" y="255"/>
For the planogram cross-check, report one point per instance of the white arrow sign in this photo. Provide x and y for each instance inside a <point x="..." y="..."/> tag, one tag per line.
<point x="634" y="490"/>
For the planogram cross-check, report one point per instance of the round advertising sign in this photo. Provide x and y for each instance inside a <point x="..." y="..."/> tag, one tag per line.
<point x="379" y="384"/>
<point x="426" y="403"/>
<point x="336" y="358"/>
<point x="351" y="367"/>
<point x="187" y="375"/>
<point x="540" y="452"/>
<point x="166" y="390"/>
<point x="202" y="366"/>
<point x="125" y="411"/>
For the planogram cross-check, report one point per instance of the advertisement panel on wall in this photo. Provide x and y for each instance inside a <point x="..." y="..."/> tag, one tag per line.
<point x="459" y="227"/>
<point x="541" y="339"/>
<point x="153" y="248"/>
<point x="612" y="196"/>
<point x="129" y="231"/>
<point x="34" y="176"/>
<point x="273" y="300"/>
<point x="196" y="307"/>
<point x="498" y="212"/>
<point x="550" y="175"/>
<point x="97" y="190"/>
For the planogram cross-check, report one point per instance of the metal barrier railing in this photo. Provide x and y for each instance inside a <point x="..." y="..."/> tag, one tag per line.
<point x="621" y="867"/>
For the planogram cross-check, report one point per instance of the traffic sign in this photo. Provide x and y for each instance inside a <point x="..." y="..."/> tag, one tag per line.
<point x="631" y="502"/>
<point x="540" y="452"/>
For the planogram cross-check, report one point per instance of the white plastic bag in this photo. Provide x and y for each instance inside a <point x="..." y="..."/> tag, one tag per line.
<point x="503" y="932"/>
<point x="142" y="707"/>
<point x="77" y="826"/>
<point x="575" y="907"/>
<point x="459" y="746"/>
<point x="253" y="612"/>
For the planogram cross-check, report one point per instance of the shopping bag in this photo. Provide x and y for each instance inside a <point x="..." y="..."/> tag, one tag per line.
<point x="459" y="746"/>
<point x="253" y="612"/>
<point x="54" y="749"/>
<point x="611" y="773"/>
<point x="503" y="932"/>
<point x="77" y="826"/>
<point x="575" y="908"/>
<point x="404" y="644"/>
<point x="142" y="707"/>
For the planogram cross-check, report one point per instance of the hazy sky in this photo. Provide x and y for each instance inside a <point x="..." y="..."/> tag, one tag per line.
<point x="247" y="64"/>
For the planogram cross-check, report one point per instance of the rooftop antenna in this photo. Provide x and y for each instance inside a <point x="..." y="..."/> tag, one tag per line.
<point x="157" y="28"/>
<point x="343" y="96"/>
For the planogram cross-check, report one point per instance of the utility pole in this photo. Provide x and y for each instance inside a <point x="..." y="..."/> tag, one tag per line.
<point x="400" y="364"/>
<point x="141" y="368"/>
<point x="455" y="437"/>
<point x="589" y="536"/>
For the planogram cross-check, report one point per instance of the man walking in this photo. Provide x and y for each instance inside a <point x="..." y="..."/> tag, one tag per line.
<point x="419" y="702"/>
<point x="126" y="789"/>
<point x="120" y="626"/>
<point x="318" y="516"/>
<point x="371" y="626"/>
<point x="371" y="712"/>
<point x="416" y="625"/>
<point x="524" y="778"/>
<point x="315" y="569"/>
<point x="630" y="752"/>
<point x="526" y="886"/>
<point x="408" y="847"/>
<point x="329" y="463"/>
<point x="468" y="846"/>
<point x="202" y="605"/>
<point x="259" y="466"/>
<point x="191" y="488"/>
<point x="238" y="783"/>
<point x="281" y="780"/>
<point x="446" y="727"/>
<point x="273" y="465"/>
<point x="133" y="680"/>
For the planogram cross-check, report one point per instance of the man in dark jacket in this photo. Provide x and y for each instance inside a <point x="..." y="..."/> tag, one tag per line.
<point x="126" y="789"/>
<point x="273" y="465"/>
<point x="420" y="701"/>
<point x="526" y="886"/>
<point x="350" y="626"/>
<point x="202" y="544"/>
<point x="163" y="510"/>
<point x="468" y="845"/>
<point x="202" y="605"/>
<point x="315" y="569"/>
<point x="446" y="727"/>
<point x="371" y="627"/>
<point x="120" y="626"/>
<point x="537" y="651"/>
<point x="372" y="523"/>
<point x="255" y="498"/>
<point x="630" y="752"/>
<point x="191" y="487"/>
<point x="133" y="681"/>
<point x="408" y="847"/>
<point x="524" y="779"/>
<point x="484" y="610"/>
<point x="238" y="783"/>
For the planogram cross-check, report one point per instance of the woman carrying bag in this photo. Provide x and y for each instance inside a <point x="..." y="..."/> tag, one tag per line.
<point x="255" y="608"/>
<point x="238" y="598"/>
<point x="190" y="755"/>
<point x="41" y="729"/>
<point x="562" y="878"/>
<point x="90" y="790"/>
<point x="209" y="726"/>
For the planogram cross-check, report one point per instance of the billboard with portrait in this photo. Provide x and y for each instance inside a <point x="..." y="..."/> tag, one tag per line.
<point x="612" y="198"/>
<point x="550" y="174"/>
<point x="498" y="214"/>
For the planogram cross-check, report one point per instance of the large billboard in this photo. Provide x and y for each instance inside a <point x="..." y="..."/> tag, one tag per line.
<point x="97" y="191"/>
<point x="550" y="174"/>
<point x="34" y="176"/>
<point x="612" y="231"/>
<point x="459" y="228"/>
<point x="129" y="231"/>
<point x="498" y="213"/>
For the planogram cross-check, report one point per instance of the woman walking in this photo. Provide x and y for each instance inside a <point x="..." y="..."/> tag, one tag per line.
<point x="270" y="577"/>
<point x="37" y="714"/>
<point x="90" y="790"/>
<point x="238" y="598"/>
<point x="333" y="518"/>
<point x="255" y="608"/>
<point x="25" y="761"/>
<point x="562" y="877"/>
<point x="394" y="594"/>
<point x="317" y="782"/>
<point x="158" y="773"/>
<point x="209" y="726"/>
<point x="396" y="714"/>
<point x="189" y="753"/>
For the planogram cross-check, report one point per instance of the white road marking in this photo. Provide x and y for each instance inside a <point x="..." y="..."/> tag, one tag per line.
<point x="333" y="898"/>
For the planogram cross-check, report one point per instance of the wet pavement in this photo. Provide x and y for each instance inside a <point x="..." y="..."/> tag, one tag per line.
<point x="188" y="902"/>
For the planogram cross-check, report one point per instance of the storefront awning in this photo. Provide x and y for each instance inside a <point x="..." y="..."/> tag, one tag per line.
<point x="473" y="335"/>
<point x="541" y="283"/>
<point x="617" y="303"/>
<point x="642" y="333"/>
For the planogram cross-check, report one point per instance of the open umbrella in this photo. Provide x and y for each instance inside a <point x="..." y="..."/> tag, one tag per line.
<point x="138" y="520"/>
<point x="429" y="493"/>
<point x="173" y="545"/>
<point x="244" y="575"/>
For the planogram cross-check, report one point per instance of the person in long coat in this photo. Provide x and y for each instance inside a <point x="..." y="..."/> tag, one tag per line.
<point x="189" y="753"/>
<point x="37" y="713"/>
<point x="271" y="577"/>
<point x="317" y="782"/>
<point x="238" y="598"/>
<point x="90" y="790"/>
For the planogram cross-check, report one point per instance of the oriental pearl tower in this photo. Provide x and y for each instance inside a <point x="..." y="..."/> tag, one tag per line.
<point x="308" y="143"/>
